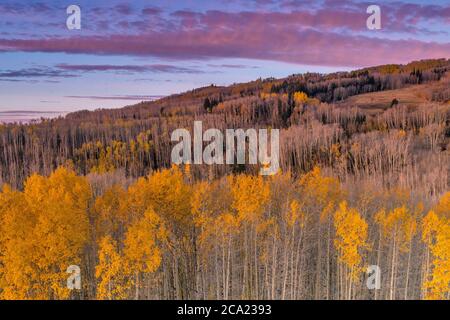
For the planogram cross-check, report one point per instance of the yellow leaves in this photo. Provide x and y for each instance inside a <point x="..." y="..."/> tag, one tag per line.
<point x="15" y="260"/>
<point x="142" y="243"/>
<point x="264" y="95"/>
<point x="170" y="195"/>
<point x="199" y="204"/>
<point x="295" y="215"/>
<point x="169" y="219"/>
<point x="430" y="225"/>
<point x="398" y="225"/>
<point x="300" y="97"/>
<point x="47" y="236"/>
<point x="320" y="191"/>
<point x="442" y="209"/>
<point x="250" y="194"/>
<point x="438" y="285"/>
<point x="111" y="211"/>
<point x="351" y="236"/>
<point x="110" y="272"/>
<point x="436" y="234"/>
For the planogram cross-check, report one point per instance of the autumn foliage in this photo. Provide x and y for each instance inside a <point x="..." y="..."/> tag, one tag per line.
<point x="168" y="236"/>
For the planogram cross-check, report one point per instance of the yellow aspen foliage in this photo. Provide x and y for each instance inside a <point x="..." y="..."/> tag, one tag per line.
<point x="169" y="195"/>
<point x="137" y="200"/>
<point x="143" y="241"/>
<point x="250" y="195"/>
<point x="430" y="224"/>
<point x="436" y="234"/>
<point x="295" y="215"/>
<point x="111" y="212"/>
<point x="351" y="236"/>
<point x="320" y="192"/>
<point x="45" y="232"/>
<point x="300" y="97"/>
<point x="111" y="272"/>
<point x="16" y="226"/>
<point x="442" y="209"/>
<point x="398" y="225"/>
<point x="59" y="204"/>
<point x="200" y="204"/>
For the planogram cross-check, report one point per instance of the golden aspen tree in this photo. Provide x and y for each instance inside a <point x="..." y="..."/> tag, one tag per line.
<point x="143" y="244"/>
<point x="397" y="227"/>
<point x="351" y="236"/>
<point x="46" y="229"/>
<point x="111" y="213"/>
<point x="217" y="227"/>
<point x="436" y="234"/>
<point x="250" y="195"/>
<point x="300" y="97"/>
<point x="295" y="220"/>
<point x="320" y="194"/>
<point x="226" y="225"/>
<point x="59" y="204"/>
<point x="111" y="272"/>
<point x="16" y="226"/>
<point x="168" y="193"/>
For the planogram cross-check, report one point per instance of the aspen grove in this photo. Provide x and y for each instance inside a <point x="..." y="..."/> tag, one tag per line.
<point x="166" y="236"/>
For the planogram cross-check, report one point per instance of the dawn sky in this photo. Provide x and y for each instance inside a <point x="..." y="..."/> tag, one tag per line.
<point x="129" y="51"/>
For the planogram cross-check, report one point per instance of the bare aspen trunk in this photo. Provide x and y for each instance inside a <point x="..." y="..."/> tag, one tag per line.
<point x="407" y="271"/>
<point x="136" y="294"/>
<point x="392" y="289"/>
<point x="378" y="258"/>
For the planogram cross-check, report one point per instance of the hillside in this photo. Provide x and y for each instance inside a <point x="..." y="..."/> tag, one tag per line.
<point x="328" y="88"/>
<point x="413" y="95"/>
<point x="315" y="113"/>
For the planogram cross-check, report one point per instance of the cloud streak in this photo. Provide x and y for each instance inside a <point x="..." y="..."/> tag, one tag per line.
<point x="120" y="97"/>
<point x="288" y="45"/>
<point x="156" y="68"/>
<point x="38" y="72"/>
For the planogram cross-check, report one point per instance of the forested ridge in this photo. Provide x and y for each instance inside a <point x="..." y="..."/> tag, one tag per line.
<point x="358" y="186"/>
<point x="310" y="109"/>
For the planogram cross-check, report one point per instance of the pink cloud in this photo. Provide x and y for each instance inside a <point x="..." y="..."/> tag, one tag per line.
<point x="158" y="68"/>
<point x="330" y="36"/>
<point x="266" y="42"/>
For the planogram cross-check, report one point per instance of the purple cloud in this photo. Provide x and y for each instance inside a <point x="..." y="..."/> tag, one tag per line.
<point x="158" y="68"/>
<point x="36" y="73"/>
<point x="120" y="97"/>
<point x="333" y="34"/>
